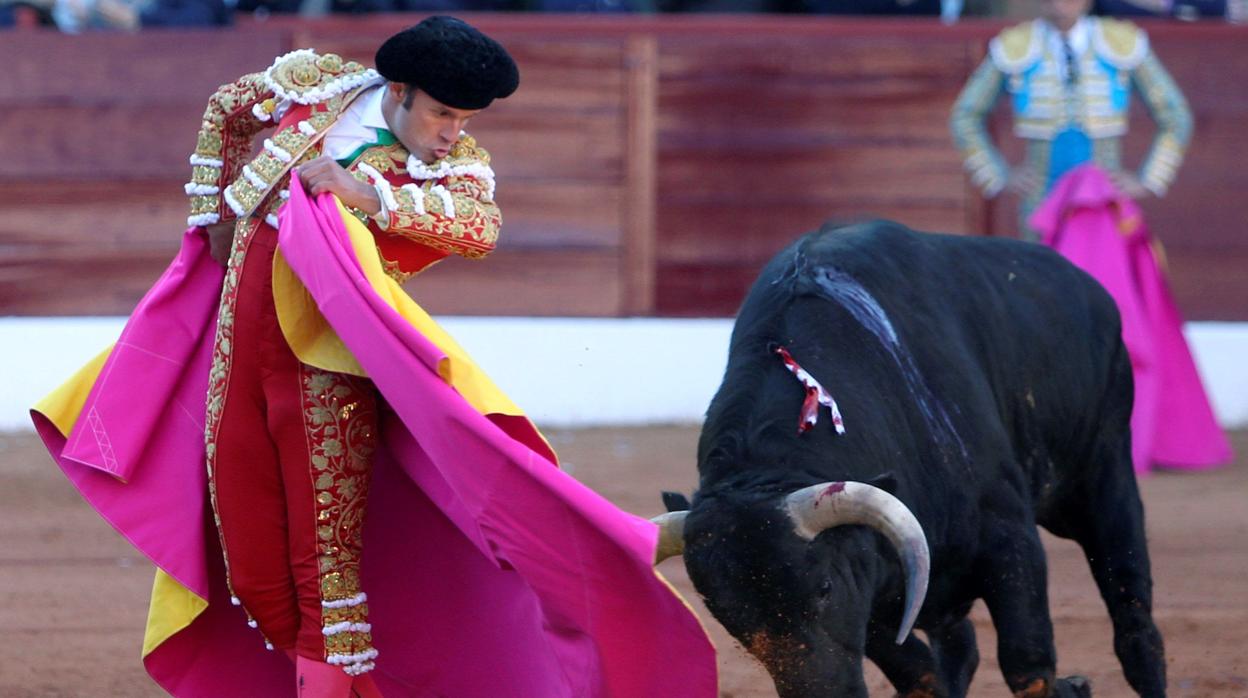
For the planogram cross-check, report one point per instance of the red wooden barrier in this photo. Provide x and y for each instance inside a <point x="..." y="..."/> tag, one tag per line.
<point x="648" y="165"/>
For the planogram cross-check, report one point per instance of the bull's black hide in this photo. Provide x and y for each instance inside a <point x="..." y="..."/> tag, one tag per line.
<point x="985" y="384"/>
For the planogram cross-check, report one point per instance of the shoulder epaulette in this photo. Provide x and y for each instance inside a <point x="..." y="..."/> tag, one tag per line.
<point x="1017" y="48"/>
<point x="304" y="77"/>
<point x="1121" y="43"/>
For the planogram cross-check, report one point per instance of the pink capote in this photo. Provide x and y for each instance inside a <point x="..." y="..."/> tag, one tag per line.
<point x="1102" y="231"/>
<point x="489" y="572"/>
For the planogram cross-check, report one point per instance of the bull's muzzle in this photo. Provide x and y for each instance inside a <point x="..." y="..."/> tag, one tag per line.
<point x="819" y="507"/>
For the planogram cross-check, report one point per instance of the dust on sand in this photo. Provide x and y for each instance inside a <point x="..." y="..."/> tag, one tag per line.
<point x="73" y="593"/>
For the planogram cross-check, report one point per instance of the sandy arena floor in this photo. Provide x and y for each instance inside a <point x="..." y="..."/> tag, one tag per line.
<point x="73" y="594"/>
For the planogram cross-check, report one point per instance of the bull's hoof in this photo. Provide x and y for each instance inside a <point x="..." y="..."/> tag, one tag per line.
<point x="1073" y="687"/>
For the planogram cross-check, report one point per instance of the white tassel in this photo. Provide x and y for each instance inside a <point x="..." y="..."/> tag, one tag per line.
<point x="448" y="203"/>
<point x="340" y="659"/>
<point x="279" y="153"/>
<point x="233" y="203"/>
<point x="344" y="603"/>
<point x="194" y="189"/>
<point x="418" y="197"/>
<point x="202" y="161"/>
<point x="254" y="178"/>
<point x="345" y="627"/>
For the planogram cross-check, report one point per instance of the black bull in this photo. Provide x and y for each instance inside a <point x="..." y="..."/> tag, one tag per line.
<point x="984" y="383"/>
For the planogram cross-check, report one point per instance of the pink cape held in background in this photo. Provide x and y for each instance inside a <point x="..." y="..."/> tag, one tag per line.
<point x="489" y="571"/>
<point x="1088" y="221"/>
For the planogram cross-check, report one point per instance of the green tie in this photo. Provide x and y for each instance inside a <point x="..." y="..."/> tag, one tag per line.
<point x="384" y="138"/>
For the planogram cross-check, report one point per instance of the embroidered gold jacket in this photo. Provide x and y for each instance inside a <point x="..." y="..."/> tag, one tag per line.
<point x="447" y="207"/>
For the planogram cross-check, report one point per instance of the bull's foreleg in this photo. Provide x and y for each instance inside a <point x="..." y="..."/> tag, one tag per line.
<point x="910" y="666"/>
<point x="1014" y="577"/>
<point x="957" y="655"/>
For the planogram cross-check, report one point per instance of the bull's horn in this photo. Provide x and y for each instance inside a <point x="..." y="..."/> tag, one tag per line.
<point x="820" y="507"/>
<point x="671" y="535"/>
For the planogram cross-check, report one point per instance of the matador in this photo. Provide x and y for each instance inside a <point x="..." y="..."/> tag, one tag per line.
<point x="288" y="444"/>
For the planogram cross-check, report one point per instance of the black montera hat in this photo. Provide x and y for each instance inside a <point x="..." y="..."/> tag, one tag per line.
<point x="450" y="60"/>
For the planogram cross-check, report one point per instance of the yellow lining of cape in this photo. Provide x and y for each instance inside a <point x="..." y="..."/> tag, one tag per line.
<point x="171" y="609"/>
<point x="315" y="342"/>
<point x="63" y="405"/>
<point x="172" y="606"/>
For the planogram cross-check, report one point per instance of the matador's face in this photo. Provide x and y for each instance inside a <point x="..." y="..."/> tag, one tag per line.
<point x="425" y="126"/>
<point x="1064" y="13"/>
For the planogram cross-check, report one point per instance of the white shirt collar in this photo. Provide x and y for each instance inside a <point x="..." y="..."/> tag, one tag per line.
<point x="372" y="116"/>
<point x="357" y="126"/>
<point x="1079" y="36"/>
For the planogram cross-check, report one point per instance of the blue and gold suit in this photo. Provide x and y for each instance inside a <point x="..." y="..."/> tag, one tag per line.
<point x="1070" y="95"/>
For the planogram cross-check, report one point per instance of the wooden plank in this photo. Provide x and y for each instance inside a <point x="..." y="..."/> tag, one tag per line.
<point x="558" y="146"/>
<point x="90" y="217"/>
<point x="797" y="170"/>
<point x="716" y="233"/>
<point x="872" y="64"/>
<point x="103" y="283"/>
<point x="153" y="68"/>
<point x="43" y="141"/>
<point x="722" y="116"/>
<point x="1209" y="285"/>
<point x="546" y="214"/>
<point x="563" y="282"/>
<point x="700" y="290"/>
<point x="639" y="243"/>
<point x="759" y="144"/>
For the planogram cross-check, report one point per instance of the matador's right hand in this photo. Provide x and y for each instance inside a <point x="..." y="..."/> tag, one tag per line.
<point x="1024" y="181"/>
<point x="220" y="239"/>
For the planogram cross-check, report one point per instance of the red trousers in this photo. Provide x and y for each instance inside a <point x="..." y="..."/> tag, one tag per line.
<point x="289" y="456"/>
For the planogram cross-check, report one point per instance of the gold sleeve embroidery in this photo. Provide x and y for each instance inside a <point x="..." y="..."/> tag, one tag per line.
<point x="982" y="160"/>
<point x="457" y="217"/>
<point x="224" y="142"/>
<point x="1174" y="124"/>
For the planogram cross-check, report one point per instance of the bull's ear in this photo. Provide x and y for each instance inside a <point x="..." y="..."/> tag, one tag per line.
<point x="675" y="501"/>
<point x="885" y="481"/>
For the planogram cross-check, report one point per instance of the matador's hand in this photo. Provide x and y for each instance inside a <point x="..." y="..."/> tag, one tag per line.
<point x="220" y="239"/>
<point x="324" y="174"/>
<point x="1129" y="184"/>
<point x="1024" y="180"/>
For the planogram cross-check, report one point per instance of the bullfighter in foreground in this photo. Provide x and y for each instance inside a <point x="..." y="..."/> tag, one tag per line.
<point x="353" y="487"/>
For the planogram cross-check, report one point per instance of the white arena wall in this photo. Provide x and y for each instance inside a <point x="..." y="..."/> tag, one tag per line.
<point x="564" y="372"/>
